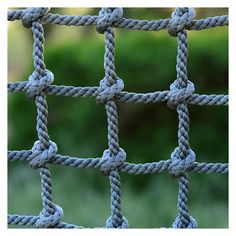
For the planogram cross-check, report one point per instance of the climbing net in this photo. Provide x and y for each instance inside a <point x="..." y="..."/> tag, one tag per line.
<point x="181" y="93"/>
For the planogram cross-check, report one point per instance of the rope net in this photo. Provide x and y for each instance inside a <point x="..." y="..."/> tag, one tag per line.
<point x="181" y="93"/>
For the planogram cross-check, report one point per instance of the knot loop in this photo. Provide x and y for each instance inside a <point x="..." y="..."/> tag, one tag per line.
<point x="111" y="162"/>
<point x="179" y="166"/>
<point x="50" y="220"/>
<point x="108" y="16"/>
<point x="124" y="225"/>
<point x="106" y="92"/>
<point x="38" y="83"/>
<point x="32" y="14"/>
<point x="192" y="223"/>
<point x="178" y="95"/>
<point x="41" y="156"/>
<point x="181" y="17"/>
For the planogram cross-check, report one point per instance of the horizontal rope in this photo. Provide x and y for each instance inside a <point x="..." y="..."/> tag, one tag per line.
<point x="31" y="220"/>
<point x="131" y="168"/>
<point x="71" y="91"/>
<point x="131" y="24"/>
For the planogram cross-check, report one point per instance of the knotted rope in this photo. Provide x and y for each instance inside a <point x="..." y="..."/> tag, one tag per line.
<point x="32" y="14"/>
<point x="180" y="18"/>
<point x="179" y="166"/>
<point x="178" y="95"/>
<point x="37" y="84"/>
<point x="50" y="220"/>
<point x="107" y="17"/>
<point x="110" y="161"/>
<point x="40" y="156"/>
<point x="106" y="92"/>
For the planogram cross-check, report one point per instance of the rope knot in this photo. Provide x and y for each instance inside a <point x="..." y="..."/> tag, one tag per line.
<point x="124" y="224"/>
<point x="47" y="220"/>
<point x="107" y="17"/>
<point x="106" y="92"/>
<point x="181" y="17"/>
<point x="32" y="14"/>
<point x="110" y="161"/>
<point x="178" y="223"/>
<point x="179" y="166"/>
<point x="41" y="156"/>
<point x="178" y="95"/>
<point x="38" y="83"/>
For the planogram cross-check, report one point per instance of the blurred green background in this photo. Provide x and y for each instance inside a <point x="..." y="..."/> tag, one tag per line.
<point x="148" y="132"/>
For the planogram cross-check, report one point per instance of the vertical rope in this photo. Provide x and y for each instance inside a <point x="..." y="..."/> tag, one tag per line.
<point x="46" y="186"/>
<point x="183" y="130"/>
<point x="110" y="106"/>
<point x="113" y="139"/>
<point x="182" y="157"/>
<point x="42" y="115"/>
<point x="43" y="149"/>
<point x="109" y="86"/>
<point x="38" y="49"/>
<point x="183" y="201"/>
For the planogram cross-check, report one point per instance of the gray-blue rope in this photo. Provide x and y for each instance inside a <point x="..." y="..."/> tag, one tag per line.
<point x="181" y="93"/>
<point x="182" y="157"/>
<point x="43" y="149"/>
<point x="109" y="87"/>
<point x="131" y="24"/>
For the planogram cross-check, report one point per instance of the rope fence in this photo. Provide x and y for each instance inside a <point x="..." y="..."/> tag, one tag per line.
<point x="110" y="89"/>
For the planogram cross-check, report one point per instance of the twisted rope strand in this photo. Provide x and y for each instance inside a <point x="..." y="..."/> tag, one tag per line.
<point x="109" y="87"/>
<point x="182" y="157"/>
<point x="31" y="221"/>
<point x="124" y="96"/>
<point x="131" y="24"/>
<point x="43" y="149"/>
<point x="131" y="168"/>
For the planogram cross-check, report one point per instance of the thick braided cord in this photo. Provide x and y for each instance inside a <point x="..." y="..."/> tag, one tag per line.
<point x="182" y="157"/>
<point x="42" y="113"/>
<point x="109" y="87"/>
<point x="116" y="218"/>
<point x="110" y="106"/>
<point x="131" y="168"/>
<point x="14" y="15"/>
<point x="46" y="194"/>
<point x="40" y="99"/>
<point x="158" y="96"/>
<point x="113" y="140"/>
<point x="38" y="51"/>
<point x="131" y="24"/>
<point x="43" y="149"/>
<point x="184" y="220"/>
<point x="183" y="137"/>
<point x="182" y="78"/>
<point x="134" y="24"/>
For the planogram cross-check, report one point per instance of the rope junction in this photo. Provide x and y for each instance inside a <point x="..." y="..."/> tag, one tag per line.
<point x="181" y="93"/>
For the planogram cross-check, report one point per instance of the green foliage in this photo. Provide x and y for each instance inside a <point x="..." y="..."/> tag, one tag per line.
<point x="148" y="132"/>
